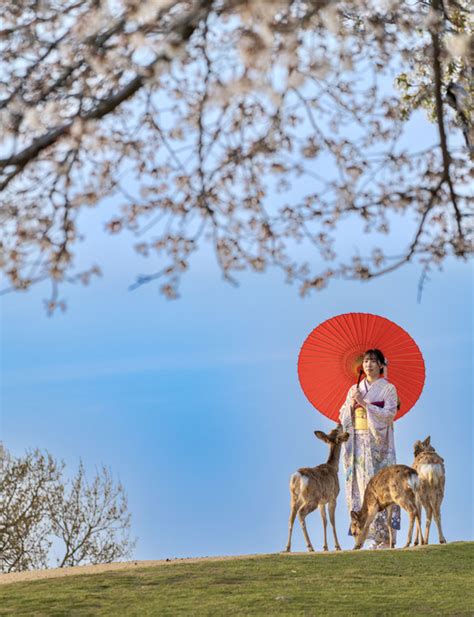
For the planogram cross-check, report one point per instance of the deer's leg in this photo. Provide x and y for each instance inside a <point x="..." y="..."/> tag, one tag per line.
<point x="417" y="539"/>
<point x="418" y="522"/>
<point x="302" y="514"/>
<point x="291" y="521"/>
<point x="332" y="510"/>
<point x="437" y="518"/>
<point x="414" y="515"/>
<point x="409" y="503"/>
<point x="322" y="509"/>
<point x="420" y="505"/>
<point x="411" y="514"/>
<point x="429" y="516"/>
<point x="389" y="525"/>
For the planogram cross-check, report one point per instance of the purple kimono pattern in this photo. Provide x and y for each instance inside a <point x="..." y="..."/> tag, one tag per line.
<point x="368" y="451"/>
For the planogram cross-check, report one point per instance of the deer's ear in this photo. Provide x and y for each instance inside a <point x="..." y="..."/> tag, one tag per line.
<point x="417" y="447"/>
<point x="343" y="437"/>
<point x="354" y="516"/>
<point x="427" y="441"/>
<point x="321" y="435"/>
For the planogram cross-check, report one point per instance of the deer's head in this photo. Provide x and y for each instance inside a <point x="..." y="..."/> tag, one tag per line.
<point x="423" y="446"/>
<point x="336" y="436"/>
<point x="356" y="525"/>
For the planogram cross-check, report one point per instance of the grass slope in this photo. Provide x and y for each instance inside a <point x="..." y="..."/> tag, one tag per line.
<point x="433" y="580"/>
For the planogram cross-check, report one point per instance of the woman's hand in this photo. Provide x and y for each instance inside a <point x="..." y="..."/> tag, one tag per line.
<point x="358" y="399"/>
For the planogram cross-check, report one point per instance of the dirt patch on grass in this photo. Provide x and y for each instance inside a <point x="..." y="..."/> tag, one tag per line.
<point x="33" y="575"/>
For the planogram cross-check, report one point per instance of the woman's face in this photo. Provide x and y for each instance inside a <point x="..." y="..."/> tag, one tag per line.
<point x="371" y="366"/>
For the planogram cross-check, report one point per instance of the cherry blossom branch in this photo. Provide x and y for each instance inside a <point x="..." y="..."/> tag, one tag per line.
<point x="440" y="120"/>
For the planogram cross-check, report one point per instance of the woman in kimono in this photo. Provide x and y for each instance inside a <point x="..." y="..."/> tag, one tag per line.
<point x="367" y="415"/>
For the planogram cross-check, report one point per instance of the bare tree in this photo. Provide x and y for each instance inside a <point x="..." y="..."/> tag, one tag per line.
<point x="25" y="484"/>
<point x="91" y="520"/>
<point x="38" y="507"/>
<point x="191" y="115"/>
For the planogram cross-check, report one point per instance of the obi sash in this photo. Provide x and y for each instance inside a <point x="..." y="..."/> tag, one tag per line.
<point x="360" y="419"/>
<point x="360" y="416"/>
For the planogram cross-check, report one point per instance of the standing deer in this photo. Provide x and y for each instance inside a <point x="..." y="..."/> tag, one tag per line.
<point x="430" y="468"/>
<point x="314" y="487"/>
<point x="396" y="484"/>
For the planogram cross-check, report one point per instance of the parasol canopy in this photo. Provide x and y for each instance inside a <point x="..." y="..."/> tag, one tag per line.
<point x="331" y="358"/>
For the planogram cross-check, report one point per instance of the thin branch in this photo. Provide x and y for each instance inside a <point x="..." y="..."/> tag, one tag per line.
<point x="184" y="28"/>
<point x="440" y="117"/>
<point x="412" y="249"/>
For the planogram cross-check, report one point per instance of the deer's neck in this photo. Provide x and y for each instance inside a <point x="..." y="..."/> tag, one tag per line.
<point x="334" y="456"/>
<point x="364" y="512"/>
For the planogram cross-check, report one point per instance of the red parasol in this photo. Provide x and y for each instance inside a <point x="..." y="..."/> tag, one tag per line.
<point x="331" y="357"/>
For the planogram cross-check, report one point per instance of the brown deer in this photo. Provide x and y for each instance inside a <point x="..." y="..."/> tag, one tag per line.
<point x="396" y="484"/>
<point x="314" y="487"/>
<point x="430" y="468"/>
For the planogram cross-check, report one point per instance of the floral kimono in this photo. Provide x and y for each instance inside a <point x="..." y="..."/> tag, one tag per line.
<point x="368" y="451"/>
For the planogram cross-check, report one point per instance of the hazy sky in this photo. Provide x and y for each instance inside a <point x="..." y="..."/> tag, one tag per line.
<point x="196" y="406"/>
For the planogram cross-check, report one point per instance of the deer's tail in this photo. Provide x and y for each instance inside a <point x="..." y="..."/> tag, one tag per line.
<point x="298" y="483"/>
<point x="414" y="482"/>
<point x="431" y="473"/>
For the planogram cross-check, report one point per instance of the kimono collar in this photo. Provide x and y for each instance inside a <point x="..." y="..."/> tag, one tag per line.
<point x="368" y="385"/>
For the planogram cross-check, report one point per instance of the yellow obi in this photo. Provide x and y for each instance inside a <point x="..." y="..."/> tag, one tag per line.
<point x="360" y="419"/>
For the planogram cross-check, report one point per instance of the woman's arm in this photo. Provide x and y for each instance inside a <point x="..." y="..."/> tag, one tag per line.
<point x="345" y="417"/>
<point x="382" y="417"/>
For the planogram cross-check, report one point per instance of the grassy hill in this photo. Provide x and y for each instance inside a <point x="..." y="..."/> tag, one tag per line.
<point x="433" y="580"/>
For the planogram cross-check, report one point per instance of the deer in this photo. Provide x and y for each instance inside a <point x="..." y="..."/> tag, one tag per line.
<point x="395" y="484"/>
<point x="430" y="468"/>
<point x="314" y="487"/>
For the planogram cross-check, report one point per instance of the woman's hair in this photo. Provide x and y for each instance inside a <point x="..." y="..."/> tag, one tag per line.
<point x="377" y="355"/>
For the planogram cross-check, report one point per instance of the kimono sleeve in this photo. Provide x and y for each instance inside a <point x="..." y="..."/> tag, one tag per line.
<point x="345" y="411"/>
<point x="383" y="417"/>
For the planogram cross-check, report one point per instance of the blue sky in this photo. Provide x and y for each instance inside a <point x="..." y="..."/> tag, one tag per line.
<point x="195" y="404"/>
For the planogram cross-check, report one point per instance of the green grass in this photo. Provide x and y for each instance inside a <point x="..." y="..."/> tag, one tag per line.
<point x="433" y="580"/>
